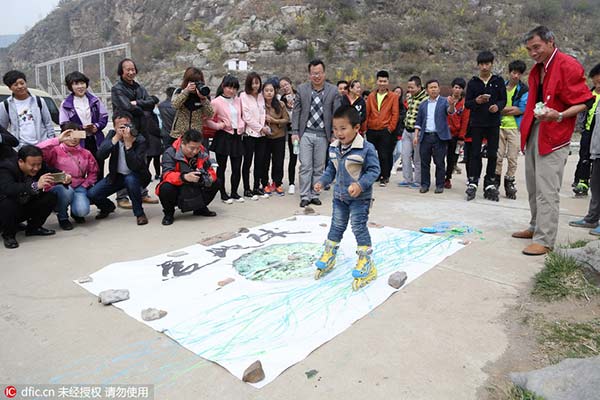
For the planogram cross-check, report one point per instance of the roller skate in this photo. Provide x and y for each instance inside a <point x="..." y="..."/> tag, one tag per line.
<point x="497" y="180"/>
<point x="510" y="188"/>
<point x="491" y="193"/>
<point x="327" y="261"/>
<point x="581" y="189"/>
<point x="365" y="270"/>
<point x="471" y="191"/>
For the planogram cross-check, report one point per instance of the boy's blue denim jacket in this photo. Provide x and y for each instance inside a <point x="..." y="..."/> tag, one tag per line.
<point x="359" y="164"/>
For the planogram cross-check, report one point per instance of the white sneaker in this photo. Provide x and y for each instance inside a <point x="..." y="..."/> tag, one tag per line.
<point x="292" y="189"/>
<point x="254" y="197"/>
<point x="240" y="200"/>
<point x="228" y="201"/>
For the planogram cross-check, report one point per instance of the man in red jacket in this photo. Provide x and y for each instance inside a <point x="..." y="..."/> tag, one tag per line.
<point x="558" y="92"/>
<point x="189" y="180"/>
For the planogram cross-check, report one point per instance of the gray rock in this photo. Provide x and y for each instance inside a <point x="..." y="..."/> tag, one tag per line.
<point x="85" y="279"/>
<point x="243" y="230"/>
<point x="568" y="380"/>
<point x="397" y="279"/>
<point x="309" y="210"/>
<point x="203" y="46"/>
<point x="296" y="45"/>
<point x="235" y="46"/>
<point x="254" y="373"/>
<point x="177" y="254"/>
<point x="266" y="46"/>
<point x="588" y="256"/>
<point x="108" y="297"/>
<point x="222" y="237"/>
<point x="151" y="314"/>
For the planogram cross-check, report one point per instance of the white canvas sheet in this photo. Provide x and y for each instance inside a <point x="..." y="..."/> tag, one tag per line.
<point x="274" y="311"/>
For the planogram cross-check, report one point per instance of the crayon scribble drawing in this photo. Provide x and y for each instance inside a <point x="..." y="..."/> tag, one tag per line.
<point x="273" y="311"/>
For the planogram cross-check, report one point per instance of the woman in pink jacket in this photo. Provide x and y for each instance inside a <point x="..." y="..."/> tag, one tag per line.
<point x="65" y="154"/>
<point x="255" y="146"/>
<point x="229" y="127"/>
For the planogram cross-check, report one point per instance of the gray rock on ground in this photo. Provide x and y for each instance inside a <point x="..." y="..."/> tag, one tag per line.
<point x="254" y="373"/>
<point x="85" y="279"/>
<point x="568" y="380"/>
<point x="218" y="238"/>
<point x="177" y="254"/>
<point x="152" y="314"/>
<point x="397" y="279"/>
<point x="588" y="256"/>
<point x="108" y="297"/>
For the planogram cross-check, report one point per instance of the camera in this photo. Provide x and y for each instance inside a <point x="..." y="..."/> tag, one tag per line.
<point x="202" y="88"/>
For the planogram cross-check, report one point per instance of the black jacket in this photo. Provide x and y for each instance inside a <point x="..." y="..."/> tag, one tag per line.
<point x="14" y="183"/>
<point x="167" y="115"/>
<point x="480" y="115"/>
<point x="7" y="142"/>
<point x="121" y="95"/>
<point x="135" y="157"/>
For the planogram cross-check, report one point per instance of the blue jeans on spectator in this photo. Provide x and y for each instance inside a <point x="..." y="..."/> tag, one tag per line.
<point x="107" y="186"/>
<point x="357" y="211"/>
<point x="397" y="152"/>
<point x="75" y="197"/>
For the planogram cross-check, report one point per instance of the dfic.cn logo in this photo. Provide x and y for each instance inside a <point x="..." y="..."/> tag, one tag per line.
<point x="10" y="392"/>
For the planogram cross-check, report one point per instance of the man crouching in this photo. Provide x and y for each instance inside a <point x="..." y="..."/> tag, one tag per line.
<point x="188" y="180"/>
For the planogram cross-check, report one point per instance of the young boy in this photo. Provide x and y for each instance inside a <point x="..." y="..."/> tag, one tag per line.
<point x="486" y="98"/>
<point x="509" y="143"/>
<point x="354" y="165"/>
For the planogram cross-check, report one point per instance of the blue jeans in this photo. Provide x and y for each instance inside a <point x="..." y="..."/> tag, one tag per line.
<point x="397" y="152"/>
<point x="358" y="213"/>
<point x="75" y="197"/>
<point x="100" y="192"/>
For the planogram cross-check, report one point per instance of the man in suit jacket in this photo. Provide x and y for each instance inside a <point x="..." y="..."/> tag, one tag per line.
<point x="311" y="125"/>
<point x="432" y="133"/>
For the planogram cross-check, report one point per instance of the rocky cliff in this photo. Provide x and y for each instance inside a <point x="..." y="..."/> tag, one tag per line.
<point x="354" y="37"/>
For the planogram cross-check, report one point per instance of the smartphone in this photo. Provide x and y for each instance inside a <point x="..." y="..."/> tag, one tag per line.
<point x="59" y="177"/>
<point x="487" y="95"/>
<point x="78" y="134"/>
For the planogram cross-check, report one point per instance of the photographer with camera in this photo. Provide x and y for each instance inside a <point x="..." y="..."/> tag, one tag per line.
<point x="189" y="181"/>
<point x="192" y="104"/>
<point x="126" y="169"/>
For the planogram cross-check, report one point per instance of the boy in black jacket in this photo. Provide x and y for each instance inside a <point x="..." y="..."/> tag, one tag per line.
<point x="486" y="98"/>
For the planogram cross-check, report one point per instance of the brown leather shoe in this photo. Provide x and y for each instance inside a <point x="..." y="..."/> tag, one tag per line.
<point x="149" y="200"/>
<point x="142" y="219"/>
<point x="535" y="249"/>
<point x="525" y="234"/>
<point x="125" y="204"/>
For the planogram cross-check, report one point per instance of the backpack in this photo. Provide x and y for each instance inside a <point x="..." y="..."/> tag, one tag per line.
<point x="38" y="101"/>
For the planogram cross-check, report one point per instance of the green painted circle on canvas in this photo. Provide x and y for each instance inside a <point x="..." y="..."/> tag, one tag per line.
<point x="279" y="262"/>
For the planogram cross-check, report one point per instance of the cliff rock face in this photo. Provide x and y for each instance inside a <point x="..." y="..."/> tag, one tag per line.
<point x="354" y="37"/>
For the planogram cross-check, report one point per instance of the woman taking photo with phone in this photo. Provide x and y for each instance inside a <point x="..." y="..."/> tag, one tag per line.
<point x="81" y="171"/>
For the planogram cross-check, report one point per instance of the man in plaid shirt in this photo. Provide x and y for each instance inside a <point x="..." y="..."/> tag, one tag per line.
<point x="311" y="125"/>
<point x="410" y="152"/>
